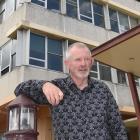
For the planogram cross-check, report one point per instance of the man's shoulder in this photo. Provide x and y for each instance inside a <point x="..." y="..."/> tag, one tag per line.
<point x="97" y="82"/>
<point x="60" y="81"/>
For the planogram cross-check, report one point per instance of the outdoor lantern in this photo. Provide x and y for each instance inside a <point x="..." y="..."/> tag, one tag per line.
<point x="22" y="122"/>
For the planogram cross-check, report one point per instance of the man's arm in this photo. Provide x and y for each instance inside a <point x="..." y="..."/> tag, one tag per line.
<point x="42" y="92"/>
<point x="32" y="89"/>
<point x="116" y="126"/>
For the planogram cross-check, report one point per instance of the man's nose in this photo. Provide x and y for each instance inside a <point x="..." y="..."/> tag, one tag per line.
<point x="83" y="62"/>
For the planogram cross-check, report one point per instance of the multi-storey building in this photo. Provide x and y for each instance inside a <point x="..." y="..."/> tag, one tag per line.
<point x="34" y="35"/>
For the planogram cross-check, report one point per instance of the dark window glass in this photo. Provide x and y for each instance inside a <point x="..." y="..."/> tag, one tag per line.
<point x="5" y="56"/>
<point x="113" y="20"/>
<point x="53" y="4"/>
<point x="55" y="55"/>
<point x="71" y="8"/>
<point x="98" y="15"/>
<point x="37" y="46"/>
<point x="99" y="20"/>
<point x="13" y="59"/>
<point x="86" y="19"/>
<point x="133" y="22"/>
<point x="4" y="71"/>
<point x="93" y="74"/>
<point x="113" y="14"/>
<point x="124" y="23"/>
<point x="114" y="26"/>
<point x="105" y="72"/>
<point x="55" y="62"/>
<point x="41" y="3"/>
<point x="98" y="9"/>
<point x="2" y="10"/>
<point x="36" y="63"/>
<point x="94" y="71"/>
<point x="94" y="66"/>
<point x="54" y="46"/>
<point x="121" y="77"/>
<point x="85" y="8"/>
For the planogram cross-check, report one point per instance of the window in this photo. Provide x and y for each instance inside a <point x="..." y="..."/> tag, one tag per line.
<point x="91" y="12"/>
<point x="39" y="2"/>
<point x="49" y="4"/>
<point x="94" y="70"/>
<point x="98" y="13"/>
<point x="85" y="10"/>
<point x="105" y="72"/>
<point x="5" y="59"/>
<point x="2" y="10"/>
<point x="55" y="55"/>
<point x="13" y="61"/>
<point x="37" y="50"/>
<point x="133" y="22"/>
<point x="13" y="54"/>
<point x="124" y="23"/>
<point x="54" y="4"/>
<point x="46" y="50"/>
<point x="120" y="22"/>
<point x="137" y="80"/>
<point x="121" y="77"/>
<point x="71" y="8"/>
<point x="113" y="20"/>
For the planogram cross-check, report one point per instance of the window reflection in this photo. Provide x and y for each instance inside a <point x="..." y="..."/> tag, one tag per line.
<point x="13" y="119"/>
<point x="55" y="55"/>
<point x="105" y="72"/>
<point x="71" y="6"/>
<point x="27" y="118"/>
<point x="54" y="5"/>
<point x="121" y="77"/>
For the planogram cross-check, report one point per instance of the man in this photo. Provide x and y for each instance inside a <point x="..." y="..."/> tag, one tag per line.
<point x="82" y="108"/>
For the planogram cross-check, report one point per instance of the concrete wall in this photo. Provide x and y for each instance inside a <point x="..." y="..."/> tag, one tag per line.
<point x="9" y="81"/>
<point x="11" y="22"/>
<point x="133" y="4"/>
<point x="120" y="92"/>
<point x="67" y="25"/>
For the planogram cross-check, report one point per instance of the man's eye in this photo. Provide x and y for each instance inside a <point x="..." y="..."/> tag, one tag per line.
<point x="78" y="59"/>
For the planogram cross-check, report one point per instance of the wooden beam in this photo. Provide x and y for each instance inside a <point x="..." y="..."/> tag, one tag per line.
<point x="135" y="96"/>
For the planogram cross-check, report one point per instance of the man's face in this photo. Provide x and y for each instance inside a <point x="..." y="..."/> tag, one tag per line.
<point x="79" y="63"/>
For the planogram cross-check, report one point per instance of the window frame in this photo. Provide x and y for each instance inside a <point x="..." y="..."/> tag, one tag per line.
<point x="45" y="4"/>
<point x="124" y="74"/>
<point x="55" y="55"/>
<point x="96" y="63"/>
<point x="75" y="5"/>
<point x="101" y="15"/>
<point x="34" y="58"/>
<point x="7" y="68"/>
<point x="45" y="60"/>
<point x="103" y="65"/>
<point x="118" y="20"/>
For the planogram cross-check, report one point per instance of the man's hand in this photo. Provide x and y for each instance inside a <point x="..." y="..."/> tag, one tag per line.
<point x="53" y="93"/>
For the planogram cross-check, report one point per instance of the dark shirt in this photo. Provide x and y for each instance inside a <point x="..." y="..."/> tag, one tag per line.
<point x="88" y="114"/>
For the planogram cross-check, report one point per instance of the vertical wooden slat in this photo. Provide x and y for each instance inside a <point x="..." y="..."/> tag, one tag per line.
<point x="135" y="96"/>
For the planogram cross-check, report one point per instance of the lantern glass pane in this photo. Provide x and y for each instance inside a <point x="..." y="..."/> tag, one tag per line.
<point x="27" y="118"/>
<point x="13" y="119"/>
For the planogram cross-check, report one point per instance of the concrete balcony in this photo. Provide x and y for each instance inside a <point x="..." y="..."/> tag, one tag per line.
<point x="9" y="81"/>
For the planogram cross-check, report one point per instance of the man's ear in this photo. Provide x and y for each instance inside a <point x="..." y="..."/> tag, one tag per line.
<point x="66" y="63"/>
<point x="92" y="61"/>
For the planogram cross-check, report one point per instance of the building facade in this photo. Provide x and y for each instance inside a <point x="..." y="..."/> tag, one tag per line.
<point x="35" y="34"/>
